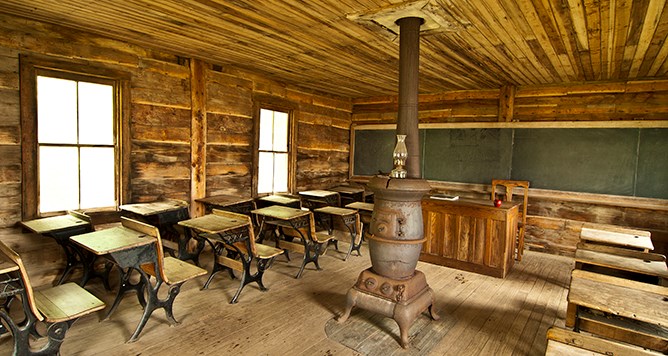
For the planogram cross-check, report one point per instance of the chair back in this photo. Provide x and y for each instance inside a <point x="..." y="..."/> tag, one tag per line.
<point x="510" y="186"/>
<point x="153" y="232"/>
<point x="14" y="257"/>
<point x="245" y="218"/>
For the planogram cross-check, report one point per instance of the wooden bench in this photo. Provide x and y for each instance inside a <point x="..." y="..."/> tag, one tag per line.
<point x="622" y="262"/>
<point x="561" y="342"/>
<point x="241" y="254"/>
<point x="59" y="307"/>
<point x="619" y="262"/>
<point x="311" y="243"/>
<point x="168" y="270"/>
<point x="620" y="309"/>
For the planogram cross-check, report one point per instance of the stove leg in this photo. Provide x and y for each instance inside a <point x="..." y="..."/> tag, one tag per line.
<point x="351" y="300"/>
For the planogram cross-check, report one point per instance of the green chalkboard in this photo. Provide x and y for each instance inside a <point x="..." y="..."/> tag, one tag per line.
<point x="580" y="160"/>
<point x="468" y="155"/>
<point x="373" y="151"/>
<point x="619" y="161"/>
<point x="653" y="163"/>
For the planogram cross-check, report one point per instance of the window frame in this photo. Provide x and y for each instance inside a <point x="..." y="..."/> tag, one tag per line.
<point x="291" y="110"/>
<point x="30" y="67"/>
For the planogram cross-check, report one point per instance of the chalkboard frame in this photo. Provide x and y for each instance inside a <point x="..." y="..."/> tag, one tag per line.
<point x="637" y="171"/>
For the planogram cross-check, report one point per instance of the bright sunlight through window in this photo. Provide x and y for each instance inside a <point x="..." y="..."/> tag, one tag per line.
<point x="273" y="152"/>
<point x="75" y="134"/>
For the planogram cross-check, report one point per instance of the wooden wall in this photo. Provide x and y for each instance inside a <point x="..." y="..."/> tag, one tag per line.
<point x="161" y="118"/>
<point x="554" y="218"/>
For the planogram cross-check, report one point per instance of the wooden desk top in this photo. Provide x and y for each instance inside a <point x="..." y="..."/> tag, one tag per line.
<point x="224" y="200"/>
<point x="53" y="224"/>
<point x="617" y="238"/>
<point x="624" y="263"/>
<point x="360" y="206"/>
<point x="281" y="212"/>
<point x="318" y="193"/>
<point x="618" y="296"/>
<point x="279" y="199"/>
<point x="146" y="209"/>
<point x="117" y="238"/>
<point x="214" y="224"/>
<point x="333" y="210"/>
<point x="615" y="228"/>
<point x="347" y="189"/>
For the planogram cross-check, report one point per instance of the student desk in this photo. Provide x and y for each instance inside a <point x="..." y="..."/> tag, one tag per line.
<point x="129" y="249"/>
<point x="228" y="202"/>
<point x="164" y="215"/>
<point x="351" y="221"/>
<point x="60" y="228"/>
<point x="617" y="236"/>
<point x="302" y="223"/>
<point x="225" y="234"/>
<point x="312" y="199"/>
<point x="349" y="194"/>
<point x="274" y="199"/>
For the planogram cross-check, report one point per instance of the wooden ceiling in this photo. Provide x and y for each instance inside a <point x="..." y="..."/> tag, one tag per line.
<point x="316" y="44"/>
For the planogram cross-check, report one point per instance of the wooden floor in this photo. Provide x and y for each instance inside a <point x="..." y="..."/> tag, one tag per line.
<point x="484" y="315"/>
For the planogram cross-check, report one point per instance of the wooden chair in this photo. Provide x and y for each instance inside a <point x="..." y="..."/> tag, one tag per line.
<point x="510" y="186"/>
<point x="241" y="250"/>
<point x="168" y="270"/>
<point x="58" y="307"/>
<point x="311" y="243"/>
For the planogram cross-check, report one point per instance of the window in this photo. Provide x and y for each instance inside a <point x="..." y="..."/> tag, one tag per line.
<point x="76" y="145"/>
<point x="73" y="149"/>
<point x="273" y="152"/>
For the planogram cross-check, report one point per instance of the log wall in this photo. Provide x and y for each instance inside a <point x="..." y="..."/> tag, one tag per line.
<point x="161" y="117"/>
<point x="554" y="218"/>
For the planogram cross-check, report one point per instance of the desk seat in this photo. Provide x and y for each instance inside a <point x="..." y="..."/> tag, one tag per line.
<point x="58" y="307"/>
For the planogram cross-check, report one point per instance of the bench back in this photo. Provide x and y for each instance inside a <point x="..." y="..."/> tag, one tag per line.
<point x="14" y="257"/>
<point x="242" y="217"/>
<point x="153" y="232"/>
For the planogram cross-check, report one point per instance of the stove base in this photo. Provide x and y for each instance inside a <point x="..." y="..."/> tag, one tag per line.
<point x="403" y="311"/>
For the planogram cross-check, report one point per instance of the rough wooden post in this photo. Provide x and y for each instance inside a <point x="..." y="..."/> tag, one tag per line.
<point x="198" y="136"/>
<point x="506" y="103"/>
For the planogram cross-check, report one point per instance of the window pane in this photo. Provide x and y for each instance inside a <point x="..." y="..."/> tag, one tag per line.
<point x="280" y="172"/>
<point x="280" y="131"/>
<point x="266" y="129"/>
<point x="96" y="114"/>
<point x="97" y="177"/>
<point x="265" y="176"/>
<point x="58" y="178"/>
<point x="56" y="110"/>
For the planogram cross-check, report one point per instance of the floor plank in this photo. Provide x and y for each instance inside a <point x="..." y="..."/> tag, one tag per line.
<point x="484" y="315"/>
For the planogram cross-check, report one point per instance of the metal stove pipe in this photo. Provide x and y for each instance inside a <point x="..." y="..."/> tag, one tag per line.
<point x="409" y="62"/>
